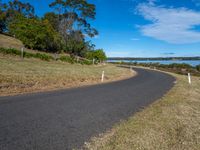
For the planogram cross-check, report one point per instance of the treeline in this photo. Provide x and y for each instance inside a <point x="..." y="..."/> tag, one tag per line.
<point x="153" y="58"/>
<point x="63" y="30"/>
<point x="183" y="68"/>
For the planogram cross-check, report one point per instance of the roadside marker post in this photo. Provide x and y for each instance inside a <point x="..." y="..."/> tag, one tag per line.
<point x="77" y="59"/>
<point x="189" y="78"/>
<point x="102" y="76"/>
<point x="93" y="60"/>
<point x="22" y="52"/>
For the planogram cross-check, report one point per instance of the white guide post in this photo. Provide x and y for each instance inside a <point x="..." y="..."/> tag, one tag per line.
<point x="102" y="76"/>
<point x="93" y="60"/>
<point x="189" y="78"/>
<point x="22" y="52"/>
<point x="131" y="69"/>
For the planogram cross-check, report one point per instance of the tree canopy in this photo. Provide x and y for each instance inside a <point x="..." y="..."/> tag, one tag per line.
<point x="35" y="33"/>
<point x="99" y="55"/>
<point x="9" y="11"/>
<point x="73" y="18"/>
<point x="63" y="29"/>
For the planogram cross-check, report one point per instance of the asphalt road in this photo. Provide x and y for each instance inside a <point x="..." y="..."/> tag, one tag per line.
<point x="65" y="119"/>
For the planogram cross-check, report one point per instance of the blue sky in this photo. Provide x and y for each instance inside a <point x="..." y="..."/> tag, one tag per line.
<point x="143" y="28"/>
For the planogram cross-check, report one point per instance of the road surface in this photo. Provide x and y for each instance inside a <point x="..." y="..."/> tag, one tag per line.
<point x="65" y="119"/>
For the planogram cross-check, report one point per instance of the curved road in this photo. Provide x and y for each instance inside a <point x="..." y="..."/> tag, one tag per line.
<point x="65" y="119"/>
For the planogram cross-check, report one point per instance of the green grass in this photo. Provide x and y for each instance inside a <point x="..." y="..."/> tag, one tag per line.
<point x="16" y="52"/>
<point x="172" y="123"/>
<point x="31" y="75"/>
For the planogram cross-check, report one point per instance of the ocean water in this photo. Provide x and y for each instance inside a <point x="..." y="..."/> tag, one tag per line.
<point x="166" y="62"/>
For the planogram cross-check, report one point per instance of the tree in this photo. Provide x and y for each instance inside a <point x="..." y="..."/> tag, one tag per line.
<point x="64" y="29"/>
<point x="17" y="7"/>
<point x="35" y="33"/>
<point x="74" y="47"/>
<point x="99" y="55"/>
<point x="198" y="67"/>
<point x="2" y="16"/>
<point x="73" y="18"/>
<point x="10" y="10"/>
<point x="53" y="19"/>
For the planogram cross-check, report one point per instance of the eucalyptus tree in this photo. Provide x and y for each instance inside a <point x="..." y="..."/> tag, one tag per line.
<point x="18" y="7"/>
<point x="3" y="7"/>
<point x="35" y="33"/>
<point x="12" y="9"/>
<point x="53" y="19"/>
<point x="74" y="16"/>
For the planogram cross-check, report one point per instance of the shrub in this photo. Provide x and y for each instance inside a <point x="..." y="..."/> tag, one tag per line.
<point x="26" y="54"/>
<point x="43" y="56"/>
<point x="10" y="51"/>
<point x="86" y="62"/>
<point x="99" y="55"/>
<point x="198" y="67"/>
<point x="35" y="33"/>
<point x="67" y="59"/>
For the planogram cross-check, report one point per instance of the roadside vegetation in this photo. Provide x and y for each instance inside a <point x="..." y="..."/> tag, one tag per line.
<point x="63" y="30"/>
<point x="19" y="76"/>
<point x="56" y="53"/>
<point x="12" y="46"/>
<point x="153" y="58"/>
<point x="183" y="69"/>
<point x="170" y="123"/>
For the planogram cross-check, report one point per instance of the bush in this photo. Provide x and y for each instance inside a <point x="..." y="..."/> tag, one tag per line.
<point x="86" y="62"/>
<point x="198" y="67"/>
<point x="10" y="51"/>
<point x="26" y="54"/>
<point x="99" y="55"/>
<point x="67" y="59"/>
<point x="35" y="33"/>
<point x="183" y="65"/>
<point x="43" y="56"/>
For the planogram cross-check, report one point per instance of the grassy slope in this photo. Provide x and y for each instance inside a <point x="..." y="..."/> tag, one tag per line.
<point x="170" y="123"/>
<point x="10" y="42"/>
<point x="29" y="75"/>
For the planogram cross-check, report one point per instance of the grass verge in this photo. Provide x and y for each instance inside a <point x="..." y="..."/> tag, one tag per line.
<point x="31" y="75"/>
<point x="172" y="123"/>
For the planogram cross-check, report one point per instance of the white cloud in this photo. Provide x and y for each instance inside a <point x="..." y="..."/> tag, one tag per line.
<point x="173" y="25"/>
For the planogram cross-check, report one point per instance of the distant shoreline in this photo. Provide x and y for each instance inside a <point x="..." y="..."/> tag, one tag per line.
<point x="193" y="63"/>
<point x="153" y="58"/>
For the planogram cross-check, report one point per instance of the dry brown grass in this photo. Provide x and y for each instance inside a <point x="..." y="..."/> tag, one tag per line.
<point x="30" y="75"/>
<point x="172" y="123"/>
<point x="10" y="42"/>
